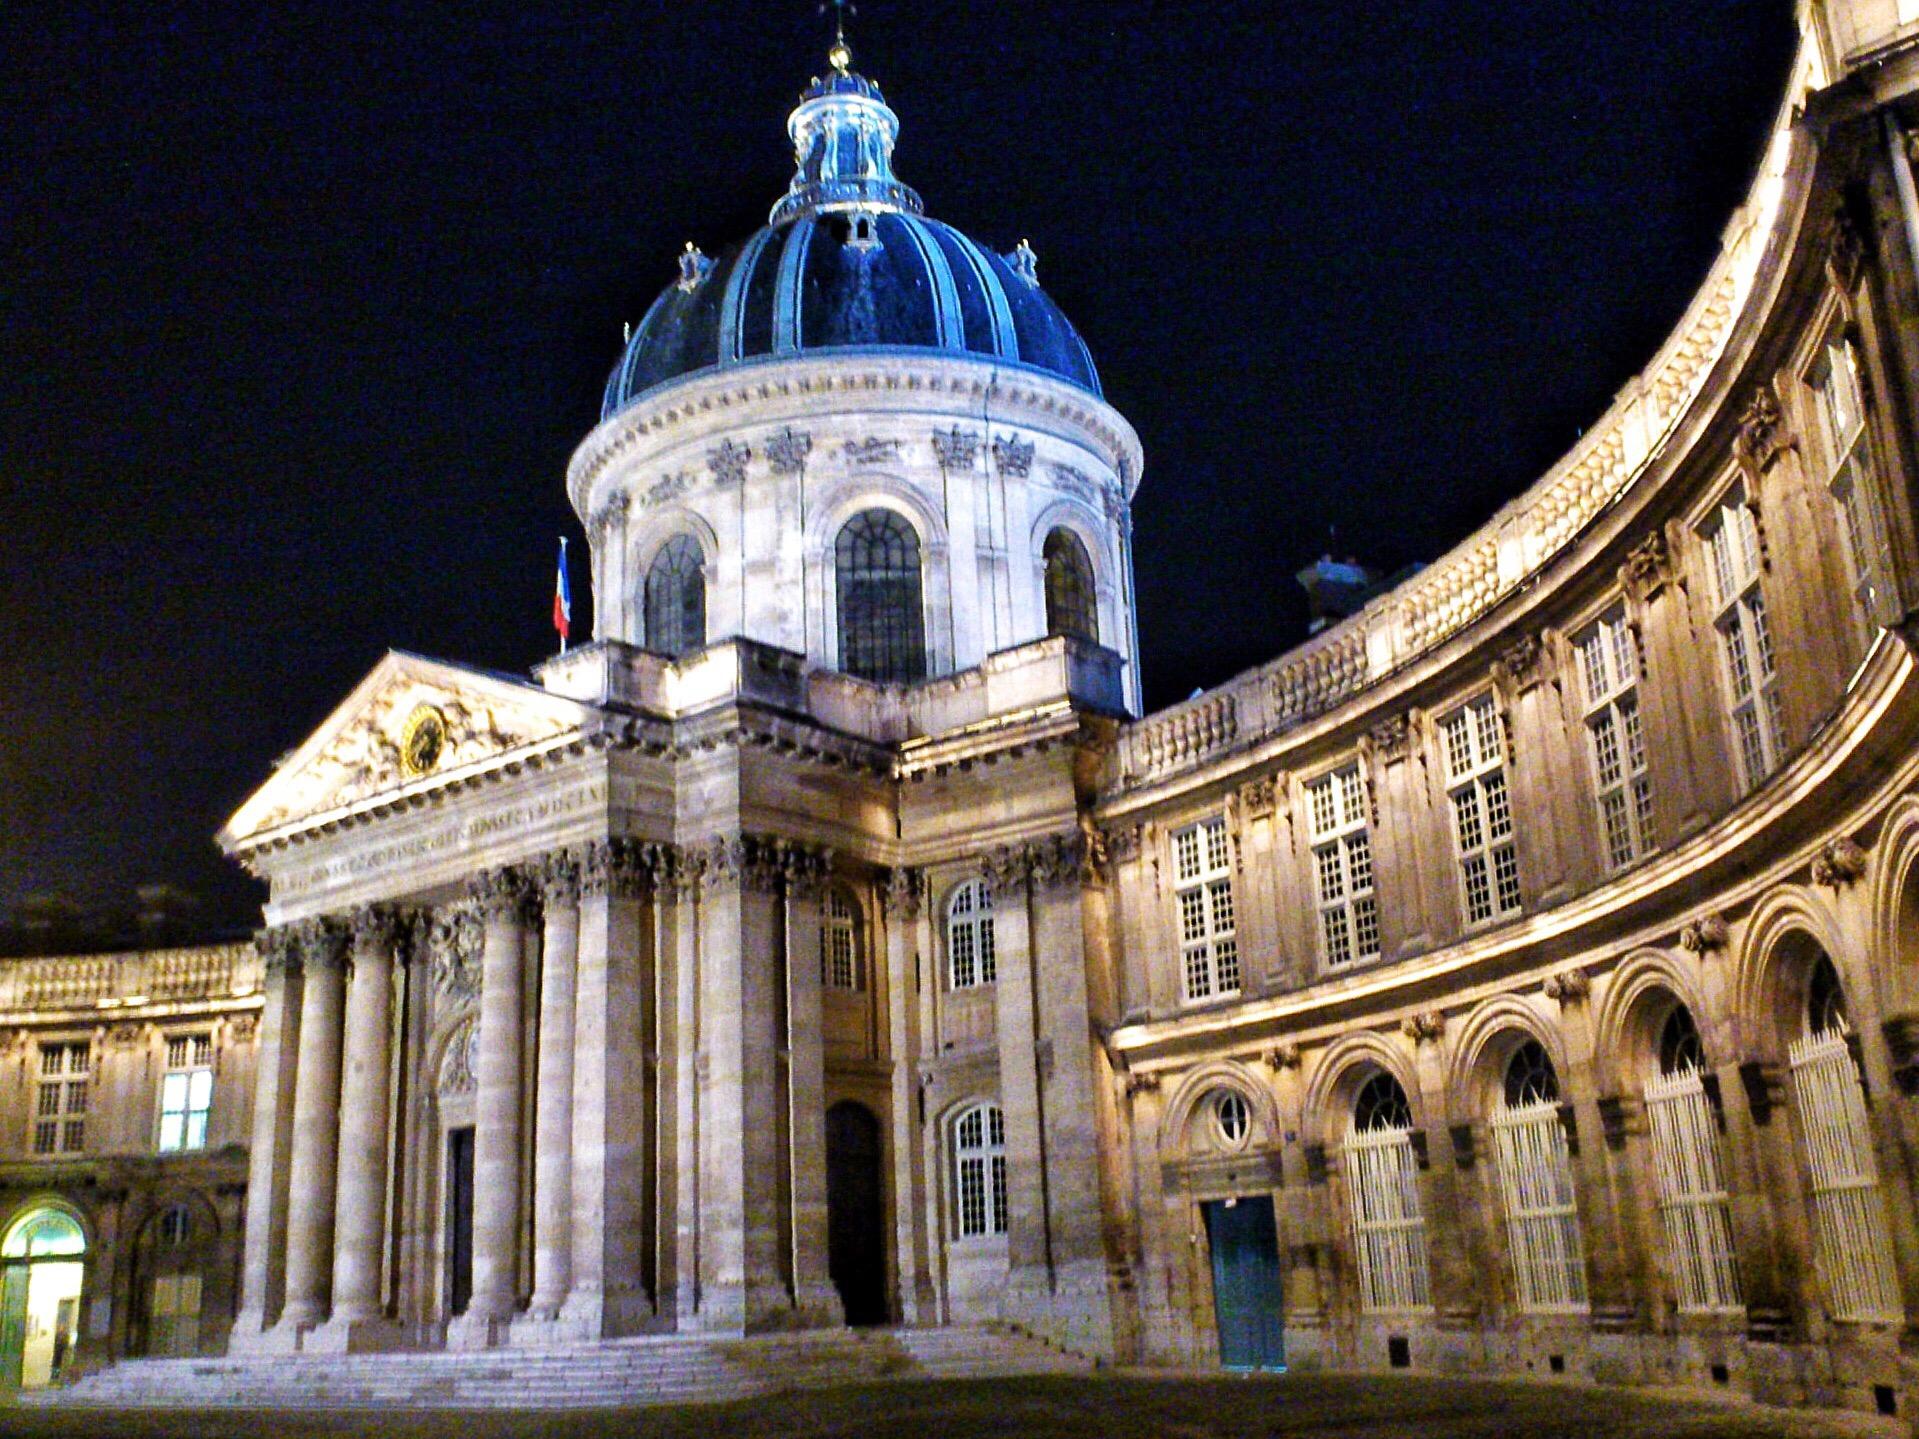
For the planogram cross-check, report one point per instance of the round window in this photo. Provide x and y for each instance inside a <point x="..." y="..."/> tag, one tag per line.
<point x="1231" y="1119"/>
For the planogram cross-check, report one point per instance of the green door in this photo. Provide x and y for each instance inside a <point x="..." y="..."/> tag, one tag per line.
<point x="1248" y="1302"/>
<point x="13" y="1323"/>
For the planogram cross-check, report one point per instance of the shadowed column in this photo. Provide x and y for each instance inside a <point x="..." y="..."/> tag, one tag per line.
<point x="360" y="1204"/>
<point x="501" y="896"/>
<point x="264" y="1272"/>
<point x="814" y="1295"/>
<point x="316" y="1128"/>
<point x="553" y="1121"/>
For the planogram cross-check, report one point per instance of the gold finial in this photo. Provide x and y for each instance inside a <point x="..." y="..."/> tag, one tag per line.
<point x="840" y="57"/>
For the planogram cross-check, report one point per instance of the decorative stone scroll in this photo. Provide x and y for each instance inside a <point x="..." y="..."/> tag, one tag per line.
<point x="904" y="889"/>
<point x="957" y="449"/>
<point x="278" y="947"/>
<point x="1845" y="251"/>
<point x="322" y="942"/>
<point x="804" y="868"/>
<point x="727" y="463"/>
<point x="1519" y="665"/>
<point x="1647" y="568"/>
<point x="1260" y="796"/>
<point x="786" y="452"/>
<point x="1568" y="986"/>
<point x="1707" y="932"/>
<point x="1284" y="1055"/>
<point x="1763" y="436"/>
<point x="558" y="876"/>
<point x="872" y="451"/>
<point x="497" y="892"/>
<point x="1137" y="1084"/>
<point x="605" y="519"/>
<point x="1422" y="1028"/>
<point x="453" y="944"/>
<point x="1391" y="740"/>
<point x="1839" y="862"/>
<point x="1070" y="479"/>
<point x="622" y="868"/>
<point x="1012" y="456"/>
<point x="1121" y="842"/>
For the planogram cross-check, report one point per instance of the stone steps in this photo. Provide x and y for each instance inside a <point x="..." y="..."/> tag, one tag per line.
<point x="676" y="1369"/>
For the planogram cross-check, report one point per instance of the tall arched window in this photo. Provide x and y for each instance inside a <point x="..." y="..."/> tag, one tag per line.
<point x="676" y="598"/>
<point x="876" y="566"/>
<point x="1389" y="1224"/>
<point x="969" y="936"/>
<point x="1536" y="1182"/>
<point x="1693" y="1199"/>
<point x="1071" y="606"/>
<point x="1852" y="1245"/>
<point x="979" y="1172"/>
<point x="839" y="941"/>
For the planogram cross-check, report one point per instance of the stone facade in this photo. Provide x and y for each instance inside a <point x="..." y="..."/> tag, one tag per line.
<point x="1531" y="947"/>
<point x="104" y="1128"/>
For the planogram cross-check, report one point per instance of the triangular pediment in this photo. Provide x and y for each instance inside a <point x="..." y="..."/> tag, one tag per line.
<point x="411" y="725"/>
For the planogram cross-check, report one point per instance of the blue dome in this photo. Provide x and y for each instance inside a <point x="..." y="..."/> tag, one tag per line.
<point x="845" y="281"/>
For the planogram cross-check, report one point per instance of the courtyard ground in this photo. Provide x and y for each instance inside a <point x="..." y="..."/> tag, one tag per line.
<point x="1095" y="1407"/>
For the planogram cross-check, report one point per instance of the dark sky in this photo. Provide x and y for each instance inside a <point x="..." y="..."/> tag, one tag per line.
<point x="303" y="309"/>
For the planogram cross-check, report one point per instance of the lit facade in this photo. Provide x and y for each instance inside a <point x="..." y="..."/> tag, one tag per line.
<point x="1512" y="978"/>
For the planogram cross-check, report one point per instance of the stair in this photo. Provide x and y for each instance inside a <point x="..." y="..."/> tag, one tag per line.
<point x="667" y="1369"/>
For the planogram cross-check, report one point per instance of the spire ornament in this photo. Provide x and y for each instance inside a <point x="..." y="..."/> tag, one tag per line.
<point x="843" y="136"/>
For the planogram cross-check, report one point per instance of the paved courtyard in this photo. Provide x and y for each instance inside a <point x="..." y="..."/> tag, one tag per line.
<point x="1059" y="1408"/>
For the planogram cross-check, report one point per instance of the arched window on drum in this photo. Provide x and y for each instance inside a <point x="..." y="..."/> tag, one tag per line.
<point x="1072" y="604"/>
<point x="1536" y="1185"/>
<point x="1852" y="1245"/>
<point x="675" y="599"/>
<point x="1382" y="1185"/>
<point x="876" y="577"/>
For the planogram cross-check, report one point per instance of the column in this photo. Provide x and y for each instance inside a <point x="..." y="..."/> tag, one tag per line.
<point x="606" y="1297"/>
<point x="316" y="1126"/>
<point x="501" y="896"/>
<point x="814" y="1294"/>
<point x="903" y="894"/>
<point x="1028" y="1243"/>
<point x="359" y="1231"/>
<point x="559" y="880"/>
<point x="679" y="1129"/>
<point x="263" y="1268"/>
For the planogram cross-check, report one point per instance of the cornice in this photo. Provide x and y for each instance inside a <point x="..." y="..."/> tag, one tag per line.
<point x="1725" y="865"/>
<point x="778" y="390"/>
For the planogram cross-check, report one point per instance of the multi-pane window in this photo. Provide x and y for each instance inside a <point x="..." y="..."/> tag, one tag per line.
<point x="1072" y="606"/>
<point x="1536" y="1182"/>
<point x="1853" y="1244"/>
<point x="876" y="576"/>
<point x="979" y="1171"/>
<point x="839" y="941"/>
<point x="1343" y="868"/>
<point x="1609" y="668"/>
<point x="1203" y="889"/>
<point x="1747" y="661"/>
<point x="1382" y="1186"/>
<point x="1482" y="810"/>
<point x="60" y="1105"/>
<point x="1694" y="1202"/>
<point x="675" y="600"/>
<point x="1842" y="422"/>
<point x="969" y="936"/>
<point x="186" y="1092"/>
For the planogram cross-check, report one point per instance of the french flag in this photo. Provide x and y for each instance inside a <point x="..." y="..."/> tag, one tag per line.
<point x="562" y="600"/>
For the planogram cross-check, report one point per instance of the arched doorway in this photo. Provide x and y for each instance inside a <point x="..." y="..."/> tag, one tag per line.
<point x="855" y="1212"/>
<point x="173" y="1259"/>
<point x="44" y="1267"/>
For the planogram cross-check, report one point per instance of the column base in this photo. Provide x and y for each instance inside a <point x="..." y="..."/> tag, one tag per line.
<point x="593" y="1314"/>
<point x="340" y="1335"/>
<point x="476" y="1330"/>
<point x="1075" y="1311"/>
<point x="286" y="1337"/>
<point x="249" y="1332"/>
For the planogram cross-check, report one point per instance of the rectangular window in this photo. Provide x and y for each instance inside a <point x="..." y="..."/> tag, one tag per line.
<point x="1482" y="811"/>
<point x="186" y="1092"/>
<point x="1609" y="669"/>
<point x="1748" y="664"/>
<point x="60" y="1107"/>
<point x="1203" y="891"/>
<point x="1849" y="477"/>
<point x="1343" y="868"/>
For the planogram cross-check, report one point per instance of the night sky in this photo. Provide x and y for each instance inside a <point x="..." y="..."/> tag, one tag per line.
<point x="303" y="309"/>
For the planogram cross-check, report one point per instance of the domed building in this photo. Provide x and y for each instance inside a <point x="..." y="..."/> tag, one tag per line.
<point x="1519" y="977"/>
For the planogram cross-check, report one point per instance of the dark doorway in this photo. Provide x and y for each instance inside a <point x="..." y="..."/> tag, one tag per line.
<point x="459" y="1219"/>
<point x="1248" y="1303"/>
<point x="855" y="1212"/>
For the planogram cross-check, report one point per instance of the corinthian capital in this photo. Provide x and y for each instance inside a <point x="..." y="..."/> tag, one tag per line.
<point x="498" y="893"/>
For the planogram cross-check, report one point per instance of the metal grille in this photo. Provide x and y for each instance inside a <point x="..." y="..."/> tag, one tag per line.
<point x="969" y="936"/>
<point x="1072" y="606"/>
<point x="1542" y="1217"/>
<point x="1692" y="1193"/>
<point x="676" y="598"/>
<point x="877" y="574"/>
<point x="1389" y="1229"/>
<point x="1852" y="1244"/>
